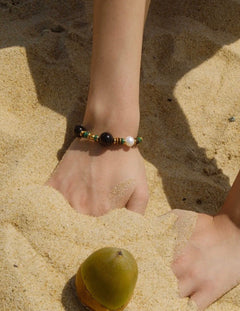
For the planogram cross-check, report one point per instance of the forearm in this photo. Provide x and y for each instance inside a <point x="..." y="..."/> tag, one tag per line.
<point x="231" y="205"/>
<point x="113" y="100"/>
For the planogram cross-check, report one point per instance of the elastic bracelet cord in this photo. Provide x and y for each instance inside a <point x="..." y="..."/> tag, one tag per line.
<point x="106" y="139"/>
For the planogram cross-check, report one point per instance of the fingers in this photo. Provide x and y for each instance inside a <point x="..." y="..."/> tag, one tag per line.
<point x="191" y="282"/>
<point x="201" y="299"/>
<point x="186" y="286"/>
<point x="139" y="199"/>
<point x="185" y="279"/>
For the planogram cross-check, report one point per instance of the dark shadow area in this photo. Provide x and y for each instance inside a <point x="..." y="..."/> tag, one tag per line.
<point x="70" y="301"/>
<point x="68" y="37"/>
<point x="171" y="145"/>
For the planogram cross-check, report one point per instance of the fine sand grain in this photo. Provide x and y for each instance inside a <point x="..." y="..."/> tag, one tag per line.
<point x="190" y="81"/>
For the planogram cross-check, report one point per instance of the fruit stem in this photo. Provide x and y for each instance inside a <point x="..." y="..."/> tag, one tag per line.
<point x="120" y="253"/>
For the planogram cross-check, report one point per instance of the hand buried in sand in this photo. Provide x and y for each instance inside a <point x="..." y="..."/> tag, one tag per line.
<point x="209" y="264"/>
<point x="95" y="179"/>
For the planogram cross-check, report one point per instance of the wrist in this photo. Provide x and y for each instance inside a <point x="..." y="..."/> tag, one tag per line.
<point x="118" y="119"/>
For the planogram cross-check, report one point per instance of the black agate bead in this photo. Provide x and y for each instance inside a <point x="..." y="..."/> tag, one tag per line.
<point x="106" y="139"/>
<point x="78" y="129"/>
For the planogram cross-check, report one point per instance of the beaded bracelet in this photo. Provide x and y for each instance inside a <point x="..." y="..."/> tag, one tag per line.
<point x="106" y="139"/>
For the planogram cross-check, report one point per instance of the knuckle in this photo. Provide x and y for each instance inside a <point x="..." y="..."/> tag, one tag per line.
<point x="143" y="195"/>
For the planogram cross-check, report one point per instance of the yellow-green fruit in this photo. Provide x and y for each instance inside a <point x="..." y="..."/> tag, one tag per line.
<point x="106" y="280"/>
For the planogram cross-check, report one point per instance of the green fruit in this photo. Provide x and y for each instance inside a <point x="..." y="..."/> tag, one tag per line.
<point x="106" y="279"/>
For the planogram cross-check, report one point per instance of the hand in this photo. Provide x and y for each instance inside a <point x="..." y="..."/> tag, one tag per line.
<point x="208" y="265"/>
<point x="95" y="179"/>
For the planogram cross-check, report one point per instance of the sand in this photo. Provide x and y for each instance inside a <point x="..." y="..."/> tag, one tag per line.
<point x="190" y="79"/>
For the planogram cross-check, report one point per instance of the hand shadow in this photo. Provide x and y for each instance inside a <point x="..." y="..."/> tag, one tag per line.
<point x="180" y="36"/>
<point x="60" y="72"/>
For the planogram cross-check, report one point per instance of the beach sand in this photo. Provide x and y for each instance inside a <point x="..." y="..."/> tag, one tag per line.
<point x="190" y="79"/>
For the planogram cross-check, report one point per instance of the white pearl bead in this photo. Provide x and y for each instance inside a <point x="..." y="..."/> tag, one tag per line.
<point x="129" y="141"/>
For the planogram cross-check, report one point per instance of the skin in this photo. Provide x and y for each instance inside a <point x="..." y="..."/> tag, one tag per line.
<point x="113" y="96"/>
<point x="87" y="176"/>
<point x="209" y="265"/>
